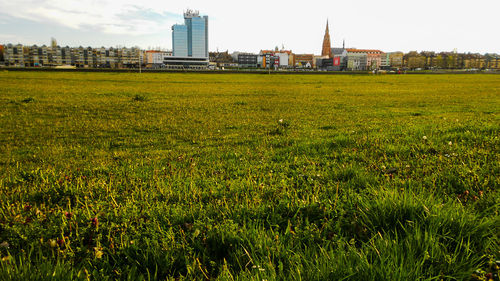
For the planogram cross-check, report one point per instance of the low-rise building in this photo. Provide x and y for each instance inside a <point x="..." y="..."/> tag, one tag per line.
<point x="247" y="60"/>
<point x="356" y="60"/>
<point x="223" y="59"/>
<point x="385" y="61"/>
<point x="339" y="59"/>
<point x="396" y="59"/>
<point x="304" y="60"/>
<point x="155" y="58"/>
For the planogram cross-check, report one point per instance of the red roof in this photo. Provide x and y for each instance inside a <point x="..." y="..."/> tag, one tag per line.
<point x="363" y="51"/>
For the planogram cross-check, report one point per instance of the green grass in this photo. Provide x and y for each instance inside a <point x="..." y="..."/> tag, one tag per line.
<point x="108" y="176"/>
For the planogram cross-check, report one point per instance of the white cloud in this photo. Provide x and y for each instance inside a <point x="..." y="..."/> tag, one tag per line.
<point x="123" y="17"/>
<point x="251" y="26"/>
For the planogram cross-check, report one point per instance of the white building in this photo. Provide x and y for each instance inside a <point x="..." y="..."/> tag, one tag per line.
<point x="283" y="58"/>
<point x="156" y="58"/>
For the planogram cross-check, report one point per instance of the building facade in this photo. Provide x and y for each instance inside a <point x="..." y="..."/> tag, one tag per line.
<point x="155" y="58"/>
<point x="304" y="60"/>
<point x="191" y="38"/>
<point x="396" y="59"/>
<point x="247" y="60"/>
<point x="356" y="60"/>
<point x="180" y="40"/>
<point x="339" y="59"/>
<point x="14" y="55"/>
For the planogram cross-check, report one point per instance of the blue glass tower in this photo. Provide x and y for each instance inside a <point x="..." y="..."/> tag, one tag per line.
<point x="180" y="40"/>
<point x="191" y="39"/>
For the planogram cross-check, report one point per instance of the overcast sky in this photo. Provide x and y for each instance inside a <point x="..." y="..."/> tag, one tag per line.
<point x="388" y="25"/>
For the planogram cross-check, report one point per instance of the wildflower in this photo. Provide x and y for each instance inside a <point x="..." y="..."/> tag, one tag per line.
<point x="281" y="120"/>
<point x="4" y="244"/>
<point x="95" y="222"/>
<point x="424" y="137"/>
<point x="6" y="258"/>
<point x="98" y="253"/>
<point x="52" y="243"/>
<point x="450" y="143"/>
<point x="68" y="215"/>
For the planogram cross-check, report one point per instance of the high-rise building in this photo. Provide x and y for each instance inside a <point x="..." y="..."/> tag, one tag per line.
<point x="191" y="38"/>
<point x="180" y="40"/>
<point x="327" y="48"/>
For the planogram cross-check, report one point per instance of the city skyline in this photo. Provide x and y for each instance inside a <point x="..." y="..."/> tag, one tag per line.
<point x="428" y="26"/>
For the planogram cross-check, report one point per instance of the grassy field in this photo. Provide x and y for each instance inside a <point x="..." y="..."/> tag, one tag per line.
<point x="109" y="176"/>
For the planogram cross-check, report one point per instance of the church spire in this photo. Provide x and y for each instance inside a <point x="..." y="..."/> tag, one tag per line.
<point x="327" y="46"/>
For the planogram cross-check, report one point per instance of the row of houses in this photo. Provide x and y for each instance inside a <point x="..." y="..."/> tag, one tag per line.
<point x="54" y="56"/>
<point x="351" y="59"/>
<point x="340" y="59"/>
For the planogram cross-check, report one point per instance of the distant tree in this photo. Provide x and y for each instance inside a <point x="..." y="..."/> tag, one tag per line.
<point x="414" y="60"/>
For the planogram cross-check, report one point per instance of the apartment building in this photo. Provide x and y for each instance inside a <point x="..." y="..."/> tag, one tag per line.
<point x="14" y="55"/>
<point x="356" y="59"/>
<point x="396" y="59"/>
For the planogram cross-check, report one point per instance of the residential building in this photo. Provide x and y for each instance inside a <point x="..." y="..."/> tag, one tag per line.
<point x="415" y="60"/>
<point x="38" y="56"/>
<point x="277" y="58"/>
<point x="385" y="61"/>
<point x="54" y="55"/>
<point x="373" y="59"/>
<point x="224" y="59"/>
<point x="269" y="60"/>
<point x="396" y="59"/>
<point x="356" y="59"/>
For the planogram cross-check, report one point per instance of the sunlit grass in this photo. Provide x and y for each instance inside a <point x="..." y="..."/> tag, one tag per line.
<point x="311" y="177"/>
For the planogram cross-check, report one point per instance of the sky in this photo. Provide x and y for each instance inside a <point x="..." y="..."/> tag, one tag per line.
<point x="250" y="26"/>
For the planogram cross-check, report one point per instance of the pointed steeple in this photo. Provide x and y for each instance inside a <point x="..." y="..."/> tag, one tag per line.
<point x="327" y="46"/>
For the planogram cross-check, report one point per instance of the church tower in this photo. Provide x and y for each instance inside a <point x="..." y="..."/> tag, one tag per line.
<point x="327" y="46"/>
